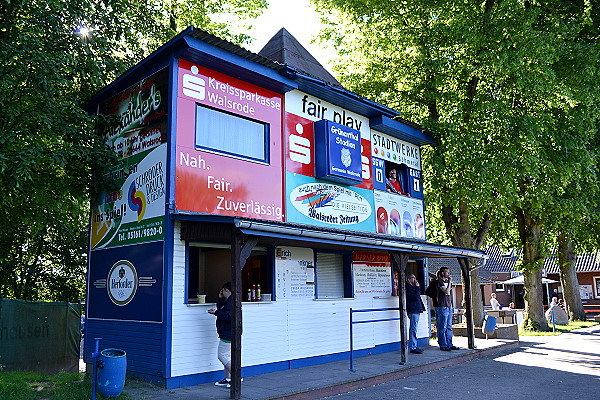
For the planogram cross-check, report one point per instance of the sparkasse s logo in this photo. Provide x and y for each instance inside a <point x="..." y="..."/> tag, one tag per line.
<point x="194" y="86"/>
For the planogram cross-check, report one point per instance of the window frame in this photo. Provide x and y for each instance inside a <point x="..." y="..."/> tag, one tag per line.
<point x="596" y="286"/>
<point x="266" y="136"/>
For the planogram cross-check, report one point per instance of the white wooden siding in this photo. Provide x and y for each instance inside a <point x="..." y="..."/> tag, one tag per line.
<point x="277" y="331"/>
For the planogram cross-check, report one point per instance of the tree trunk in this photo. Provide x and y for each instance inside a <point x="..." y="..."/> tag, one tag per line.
<point x="459" y="230"/>
<point x="476" y="296"/>
<point x="535" y="319"/>
<point x="530" y="235"/>
<point x="568" y="279"/>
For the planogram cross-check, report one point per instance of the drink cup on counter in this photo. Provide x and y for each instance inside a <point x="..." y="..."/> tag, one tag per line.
<point x="201" y="298"/>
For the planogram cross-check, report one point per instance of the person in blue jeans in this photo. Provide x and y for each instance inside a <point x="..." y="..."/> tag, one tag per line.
<point x="443" y="310"/>
<point x="414" y="307"/>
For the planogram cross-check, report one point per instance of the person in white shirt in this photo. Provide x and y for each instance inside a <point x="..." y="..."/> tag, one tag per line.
<point x="495" y="304"/>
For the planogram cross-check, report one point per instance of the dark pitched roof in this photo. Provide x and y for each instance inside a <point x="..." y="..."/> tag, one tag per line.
<point x="501" y="261"/>
<point x="587" y="262"/>
<point x="285" y="49"/>
<point x="434" y="264"/>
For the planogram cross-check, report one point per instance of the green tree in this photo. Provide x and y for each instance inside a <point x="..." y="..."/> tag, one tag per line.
<point x="482" y="77"/>
<point x="49" y="67"/>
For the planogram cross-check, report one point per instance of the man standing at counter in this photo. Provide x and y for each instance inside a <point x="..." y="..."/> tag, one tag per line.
<point x="223" y="314"/>
<point x="443" y="310"/>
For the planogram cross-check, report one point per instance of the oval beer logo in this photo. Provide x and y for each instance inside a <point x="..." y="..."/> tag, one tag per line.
<point x="330" y="204"/>
<point x="122" y="282"/>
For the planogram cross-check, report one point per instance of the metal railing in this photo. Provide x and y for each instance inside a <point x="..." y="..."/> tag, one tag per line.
<point x="352" y="322"/>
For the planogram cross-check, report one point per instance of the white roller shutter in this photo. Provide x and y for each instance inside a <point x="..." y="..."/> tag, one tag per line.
<point x="330" y="275"/>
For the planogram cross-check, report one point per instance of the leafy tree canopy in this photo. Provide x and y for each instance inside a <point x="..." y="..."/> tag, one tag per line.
<point x="54" y="55"/>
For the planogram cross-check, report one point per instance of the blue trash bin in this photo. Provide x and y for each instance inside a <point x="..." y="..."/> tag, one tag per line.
<point x="489" y="325"/>
<point x="111" y="372"/>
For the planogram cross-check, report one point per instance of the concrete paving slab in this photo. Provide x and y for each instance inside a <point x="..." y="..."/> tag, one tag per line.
<point x="328" y="379"/>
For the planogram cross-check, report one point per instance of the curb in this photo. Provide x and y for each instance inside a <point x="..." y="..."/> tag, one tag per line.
<point x="361" y="383"/>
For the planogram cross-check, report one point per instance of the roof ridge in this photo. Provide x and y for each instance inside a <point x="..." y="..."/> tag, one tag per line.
<point x="284" y="48"/>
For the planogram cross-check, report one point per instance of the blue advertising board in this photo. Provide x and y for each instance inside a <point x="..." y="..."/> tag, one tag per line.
<point x="378" y="173"/>
<point x="337" y="153"/>
<point x="125" y="283"/>
<point x="414" y="183"/>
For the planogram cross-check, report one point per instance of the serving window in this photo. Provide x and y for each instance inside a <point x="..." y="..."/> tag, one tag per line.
<point x="209" y="267"/>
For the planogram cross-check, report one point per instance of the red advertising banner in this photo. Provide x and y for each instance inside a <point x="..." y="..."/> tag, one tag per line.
<point x="360" y="256"/>
<point x="300" y="138"/>
<point x="229" y="159"/>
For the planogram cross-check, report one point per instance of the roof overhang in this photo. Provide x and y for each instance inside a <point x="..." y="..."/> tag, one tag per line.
<point x="351" y="240"/>
<point x="208" y="51"/>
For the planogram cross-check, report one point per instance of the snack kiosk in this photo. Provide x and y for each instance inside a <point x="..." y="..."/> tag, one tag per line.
<point x="238" y="167"/>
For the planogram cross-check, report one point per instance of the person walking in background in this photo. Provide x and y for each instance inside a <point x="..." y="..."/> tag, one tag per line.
<point x="414" y="307"/>
<point x="223" y="314"/>
<point x="443" y="310"/>
<point x="494" y="302"/>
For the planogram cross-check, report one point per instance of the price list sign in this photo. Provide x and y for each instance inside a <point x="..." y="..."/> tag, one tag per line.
<point x="372" y="274"/>
<point x="295" y="273"/>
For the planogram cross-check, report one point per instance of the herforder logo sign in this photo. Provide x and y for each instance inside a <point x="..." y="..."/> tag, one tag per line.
<point x="122" y="283"/>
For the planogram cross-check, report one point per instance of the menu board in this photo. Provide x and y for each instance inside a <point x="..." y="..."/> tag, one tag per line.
<point x="295" y="273"/>
<point x="372" y="273"/>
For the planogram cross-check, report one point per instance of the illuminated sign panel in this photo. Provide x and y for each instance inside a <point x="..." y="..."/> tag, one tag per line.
<point x="338" y="153"/>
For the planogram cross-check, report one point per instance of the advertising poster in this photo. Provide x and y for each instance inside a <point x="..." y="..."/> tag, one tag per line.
<point x="322" y="203"/>
<point x="372" y="273"/>
<point x="134" y="126"/>
<point x="302" y="111"/>
<point x="126" y="283"/>
<point x="218" y="182"/>
<point x="399" y="215"/>
<point x="294" y="273"/>
<point x="388" y="148"/>
<point x="338" y="153"/>
<point x="586" y="292"/>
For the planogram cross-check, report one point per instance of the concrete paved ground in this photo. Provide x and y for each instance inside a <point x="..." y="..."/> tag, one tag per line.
<point x="327" y="379"/>
<point x="544" y="367"/>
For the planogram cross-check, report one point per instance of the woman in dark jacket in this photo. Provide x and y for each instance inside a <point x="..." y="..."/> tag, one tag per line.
<point x="223" y="314"/>
<point x="414" y="308"/>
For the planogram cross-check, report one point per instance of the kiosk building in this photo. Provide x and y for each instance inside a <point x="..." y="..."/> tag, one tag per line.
<point x="259" y="169"/>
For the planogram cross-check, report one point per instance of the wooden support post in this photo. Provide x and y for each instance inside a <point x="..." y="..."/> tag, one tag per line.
<point x="236" y="317"/>
<point x="241" y="247"/>
<point x="466" y="278"/>
<point x="399" y="262"/>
